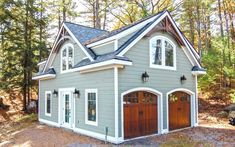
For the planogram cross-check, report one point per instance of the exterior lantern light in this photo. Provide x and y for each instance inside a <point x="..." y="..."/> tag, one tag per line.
<point x="145" y="77"/>
<point x="55" y="93"/>
<point x="76" y="93"/>
<point x="182" y="79"/>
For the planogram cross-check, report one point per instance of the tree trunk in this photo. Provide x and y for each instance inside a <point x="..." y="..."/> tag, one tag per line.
<point x="97" y="17"/>
<point x="64" y="10"/>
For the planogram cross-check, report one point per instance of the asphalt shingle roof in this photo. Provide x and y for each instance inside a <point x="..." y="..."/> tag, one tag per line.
<point x="84" y="33"/>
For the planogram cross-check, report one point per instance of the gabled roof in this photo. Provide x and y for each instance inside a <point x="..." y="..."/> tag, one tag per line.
<point x="117" y="31"/>
<point x="86" y="36"/>
<point x="84" y="33"/>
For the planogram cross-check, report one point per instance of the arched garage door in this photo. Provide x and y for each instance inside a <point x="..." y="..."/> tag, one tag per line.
<point x="179" y="110"/>
<point x="140" y="114"/>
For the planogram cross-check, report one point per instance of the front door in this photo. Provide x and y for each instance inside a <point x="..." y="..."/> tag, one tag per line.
<point x="140" y="114"/>
<point x="67" y="111"/>
<point x="179" y="110"/>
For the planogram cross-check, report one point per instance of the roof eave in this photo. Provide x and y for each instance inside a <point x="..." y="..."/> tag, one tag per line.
<point x="44" y="77"/>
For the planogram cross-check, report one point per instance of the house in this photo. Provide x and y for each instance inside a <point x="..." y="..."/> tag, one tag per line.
<point x="132" y="82"/>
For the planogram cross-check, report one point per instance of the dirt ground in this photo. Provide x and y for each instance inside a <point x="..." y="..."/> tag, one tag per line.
<point x="38" y="135"/>
<point x="27" y="132"/>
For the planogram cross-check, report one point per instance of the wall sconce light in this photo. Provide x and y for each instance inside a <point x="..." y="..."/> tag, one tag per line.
<point x="55" y="93"/>
<point x="182" y="79"/>
<point x="76" y="93"/>
<point x="145" y="77"/>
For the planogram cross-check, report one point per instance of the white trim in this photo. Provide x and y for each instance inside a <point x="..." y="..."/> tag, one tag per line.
<point x="192" y="106"/>
<point x="163" y="58"/>
<point x="50" y="123"/>
<point x="101" y="65"/>
<point x="196" y="102"/>
<point x="166" y="14"/>
<point x="97" y="46"/>
<point x="40" y="63"/>
<point x="116" y="101"/>
<point x="60" y="96"/>
<point x="105" y="63"/>
<point x="142" y="35"/>
<point x="97" y="135"/>
<point x="86" y="107"/>
<point x="160" y="107"/>
<point x="39" y="98"/>
<point x="45" y="98"/>
<point x="66" y="47"/>
<point x="79" y="44"/>
<point x="57" y="37"/>
<point x="123" y="33"/>
<point x="184" y="50"/>
<point x="198" y="72"/>
<point x="84" y="132"/>
<point x="115" y="44"/>
<point x="101" y="68"/>
<point x="177" y="30"/>
<point x="42" y="77"/>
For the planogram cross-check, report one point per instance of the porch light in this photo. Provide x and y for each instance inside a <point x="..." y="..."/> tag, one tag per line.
<point x="55" y="93"/>
<point x="182" y="79"/>
<point x="76" y="93"/>
<point x="145" y="77"/>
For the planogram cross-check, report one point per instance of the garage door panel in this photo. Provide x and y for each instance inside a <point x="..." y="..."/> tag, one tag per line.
<point x="179" y="110"/>
<point x="140" y="114"/>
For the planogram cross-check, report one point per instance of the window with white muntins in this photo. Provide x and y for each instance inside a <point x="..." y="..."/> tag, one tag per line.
<point x="67" y="57"/>
<point x="91" y="106"/>
<point x="48" y="96"/>
<point x="162" y="53"/>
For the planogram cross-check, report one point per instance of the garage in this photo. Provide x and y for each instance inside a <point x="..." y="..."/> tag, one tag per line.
<point x="140" y="114"/>
<point x="179" y="110"/>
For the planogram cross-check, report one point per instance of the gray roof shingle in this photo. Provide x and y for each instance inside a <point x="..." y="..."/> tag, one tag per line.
<point x="84" y="33"/>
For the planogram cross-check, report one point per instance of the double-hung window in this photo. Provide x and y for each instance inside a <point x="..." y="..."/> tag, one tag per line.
<point x="91" y="107"/>
<point x="48" y="96"/>
<point x="162" y="53"/>
<point x="67" y="57"/>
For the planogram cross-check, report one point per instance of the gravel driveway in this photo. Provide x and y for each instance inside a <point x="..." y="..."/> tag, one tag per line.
<point x="39" y="135"/>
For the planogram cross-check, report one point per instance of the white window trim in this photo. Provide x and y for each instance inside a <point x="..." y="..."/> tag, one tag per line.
<point x="48" y="92"/>
<point x="65" y="47"/>
<point x="86" y="107"/>
<point x="163" y="38"/>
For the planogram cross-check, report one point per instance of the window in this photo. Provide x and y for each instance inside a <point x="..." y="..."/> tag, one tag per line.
<point x="162" y="53"/>
<point x="91" y="107"/>
<point x="48" y="103"/>
<point x="67" y="57"/>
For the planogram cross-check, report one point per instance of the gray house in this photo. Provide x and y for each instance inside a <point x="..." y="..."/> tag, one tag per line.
<point x="132" y="82"/>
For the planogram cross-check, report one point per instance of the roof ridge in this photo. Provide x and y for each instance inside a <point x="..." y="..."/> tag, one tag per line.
<point x="117" y="31"/>
<point x="85" y="26"/>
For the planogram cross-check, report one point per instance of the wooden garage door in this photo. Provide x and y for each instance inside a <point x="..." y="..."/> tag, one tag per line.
<point x="140" y="114"/>
<point x="179" y="110"/>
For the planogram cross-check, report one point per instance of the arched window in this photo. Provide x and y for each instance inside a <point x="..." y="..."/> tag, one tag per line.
<point x="162" y="53"/>
<point x="67" y="57"/>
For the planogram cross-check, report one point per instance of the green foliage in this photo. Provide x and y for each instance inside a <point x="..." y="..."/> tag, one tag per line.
<point x="28" y="118"/>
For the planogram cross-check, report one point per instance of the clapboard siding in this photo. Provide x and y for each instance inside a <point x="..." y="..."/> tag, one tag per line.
<point x="101" y="80"/>
<point x="104" y="49"/>
<point x="160" y="79"/>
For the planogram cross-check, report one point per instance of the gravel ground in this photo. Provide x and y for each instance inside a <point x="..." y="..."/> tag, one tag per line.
<point x="39" y="135"/>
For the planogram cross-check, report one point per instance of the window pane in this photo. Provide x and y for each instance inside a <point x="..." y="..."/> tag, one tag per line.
<point x="92" y="107"/>
<point x="70" y="52"/>
<point x="157" y="52"/>
<point x="169" y="54"/>
<point x="63" y="64"/>
<point x="64" y="53"/>
<point x="48" y="103"/>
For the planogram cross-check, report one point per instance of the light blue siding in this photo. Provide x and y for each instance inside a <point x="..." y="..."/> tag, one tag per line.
<point x="160" y="79"/>
<point x="101" y="80"/>
<point x="107" y="48"/>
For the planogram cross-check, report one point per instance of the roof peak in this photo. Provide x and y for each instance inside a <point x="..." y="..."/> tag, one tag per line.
<point x="84" y="26"/>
